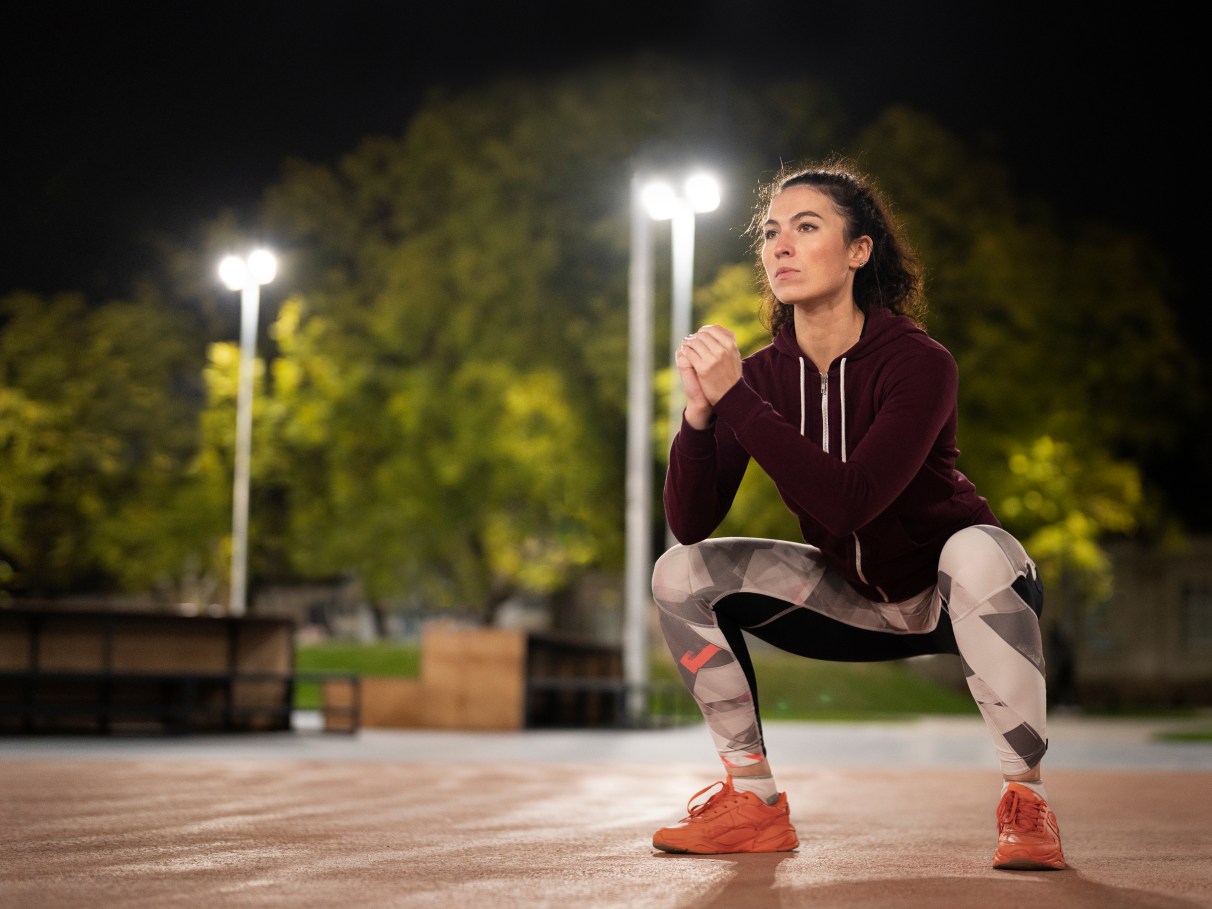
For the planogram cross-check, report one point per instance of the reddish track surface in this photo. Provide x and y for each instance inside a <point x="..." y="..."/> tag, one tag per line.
<point x="168" y="830"/>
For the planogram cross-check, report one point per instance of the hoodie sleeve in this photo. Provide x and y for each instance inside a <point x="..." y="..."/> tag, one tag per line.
<point x="705" y="469"/>
<point x="917" y="397"/>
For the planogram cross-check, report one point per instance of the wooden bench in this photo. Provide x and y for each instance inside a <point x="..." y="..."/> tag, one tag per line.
<point x="107" y="672"/>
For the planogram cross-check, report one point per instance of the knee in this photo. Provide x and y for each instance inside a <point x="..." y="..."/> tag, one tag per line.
<point x="671" y="572"/>
<point x="969" y="546"/>
<point x="983" y="560"/>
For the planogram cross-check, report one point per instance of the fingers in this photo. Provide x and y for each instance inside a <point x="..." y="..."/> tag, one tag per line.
<point x="710" y="360"/>
<point x="708" y="341"/>
<point x="682" y="358"/>
<point x="690" y="381"/>
<point x="718" y="332"/>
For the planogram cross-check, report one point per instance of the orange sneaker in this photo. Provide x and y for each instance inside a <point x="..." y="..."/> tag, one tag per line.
<point x="1028" y="838"/>
<point x="730" y="821"/>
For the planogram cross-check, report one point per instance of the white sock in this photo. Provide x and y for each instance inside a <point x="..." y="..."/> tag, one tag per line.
<point x="762" y="786"/>
<point x="1036" y="786"/>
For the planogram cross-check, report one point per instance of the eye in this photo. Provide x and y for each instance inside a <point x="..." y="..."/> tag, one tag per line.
<point x="769" y="233"/>
<point x="805" y="226"/>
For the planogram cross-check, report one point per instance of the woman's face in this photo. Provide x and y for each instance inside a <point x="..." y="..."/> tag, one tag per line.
<point x="803" y="248"/>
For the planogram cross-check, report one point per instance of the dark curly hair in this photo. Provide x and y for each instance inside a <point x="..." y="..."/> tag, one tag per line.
<point x="893" y="276"/>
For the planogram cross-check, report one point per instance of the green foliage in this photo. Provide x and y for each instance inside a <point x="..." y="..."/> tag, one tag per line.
<point x="98" y="411"/>
<point x="461" y="484"/>
<point x="1063" y="504"/>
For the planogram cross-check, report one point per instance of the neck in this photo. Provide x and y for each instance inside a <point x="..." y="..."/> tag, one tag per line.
<point x="825" y="333"/>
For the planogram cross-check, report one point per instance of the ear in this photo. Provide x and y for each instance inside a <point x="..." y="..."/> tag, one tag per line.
<point x="860" y="251"/>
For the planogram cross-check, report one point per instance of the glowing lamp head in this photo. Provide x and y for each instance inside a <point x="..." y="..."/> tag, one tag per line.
<point x="700" y="193"/>
<point x="259" y="268"/>
<point x="659" y="199"/>
<point x="703" y="192"/>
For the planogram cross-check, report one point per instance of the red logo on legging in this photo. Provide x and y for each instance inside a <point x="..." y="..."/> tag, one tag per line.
<point x="695" y="663"/>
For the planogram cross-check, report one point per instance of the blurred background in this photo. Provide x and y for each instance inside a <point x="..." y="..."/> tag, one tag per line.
<point x="438" y="400"/>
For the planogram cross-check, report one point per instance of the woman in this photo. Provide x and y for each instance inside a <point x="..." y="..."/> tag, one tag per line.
<point x="851" y="410"/>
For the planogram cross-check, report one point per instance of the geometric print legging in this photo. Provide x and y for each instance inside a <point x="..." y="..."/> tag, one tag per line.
<point x="985" y="608"/>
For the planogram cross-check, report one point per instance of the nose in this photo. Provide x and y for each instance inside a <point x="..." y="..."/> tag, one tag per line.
<point x="783" y="245"/>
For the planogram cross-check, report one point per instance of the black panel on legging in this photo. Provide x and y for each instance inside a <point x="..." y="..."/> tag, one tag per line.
<point x="805" y="632"/>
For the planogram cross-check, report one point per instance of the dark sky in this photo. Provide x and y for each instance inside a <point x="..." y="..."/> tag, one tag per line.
<point x="128" y="116"/>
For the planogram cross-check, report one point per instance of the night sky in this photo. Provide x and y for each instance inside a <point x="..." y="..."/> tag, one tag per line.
<point x="125" y="118"/>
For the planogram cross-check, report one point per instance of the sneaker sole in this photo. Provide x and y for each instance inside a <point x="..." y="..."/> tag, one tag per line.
<point x="1029" y="863"/>
<point x="677" y="850"/>
<point x="710" y="849"/>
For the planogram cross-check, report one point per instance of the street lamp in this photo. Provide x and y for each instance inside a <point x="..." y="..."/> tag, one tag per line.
<point x="651" y="200"/>
<point x="700" y="194"/>
<point x="245" y="275"/>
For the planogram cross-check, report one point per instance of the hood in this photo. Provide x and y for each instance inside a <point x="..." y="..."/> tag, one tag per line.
<point x="880" y="329"/>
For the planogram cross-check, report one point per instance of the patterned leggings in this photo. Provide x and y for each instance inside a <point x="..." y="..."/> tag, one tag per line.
<point x="985" y="608"/>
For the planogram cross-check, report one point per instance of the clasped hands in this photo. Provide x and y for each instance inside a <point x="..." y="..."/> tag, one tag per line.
<point x="709" y="363"/>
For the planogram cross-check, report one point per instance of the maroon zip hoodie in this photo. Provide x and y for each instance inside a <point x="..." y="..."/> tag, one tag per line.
<point x="863" y="455"/>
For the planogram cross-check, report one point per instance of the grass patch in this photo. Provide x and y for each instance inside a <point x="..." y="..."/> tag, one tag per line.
<point x="1184" y="735"/>
<point x="1193" y="724"/>
<point x="376" y="658"/>
<point x="794" y="688"/>
<point x="791" y="687"/>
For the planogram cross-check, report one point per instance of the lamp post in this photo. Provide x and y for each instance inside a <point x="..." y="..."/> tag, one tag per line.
<point x="245" y="275"/>
<point x="700" y="194"/>
<point x="651" y="200"/>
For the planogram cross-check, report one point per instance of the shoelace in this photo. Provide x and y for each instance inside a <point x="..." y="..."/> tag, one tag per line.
<point x="1022" y="814"/>
<point x="712" y="800"/>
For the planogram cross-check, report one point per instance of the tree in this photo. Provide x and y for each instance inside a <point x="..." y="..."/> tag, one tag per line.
<point x="98" y="423"/>
<point x="459" y="486"/>
<point x="449" y="390"/>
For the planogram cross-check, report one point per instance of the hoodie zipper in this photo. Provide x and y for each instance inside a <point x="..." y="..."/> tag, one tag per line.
<point x="825" y="411"/>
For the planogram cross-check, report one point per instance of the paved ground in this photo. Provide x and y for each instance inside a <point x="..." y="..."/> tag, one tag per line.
<point x="889" y="815"/>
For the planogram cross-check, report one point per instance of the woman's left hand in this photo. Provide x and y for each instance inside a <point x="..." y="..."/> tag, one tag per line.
<point x="713" y="353"/>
